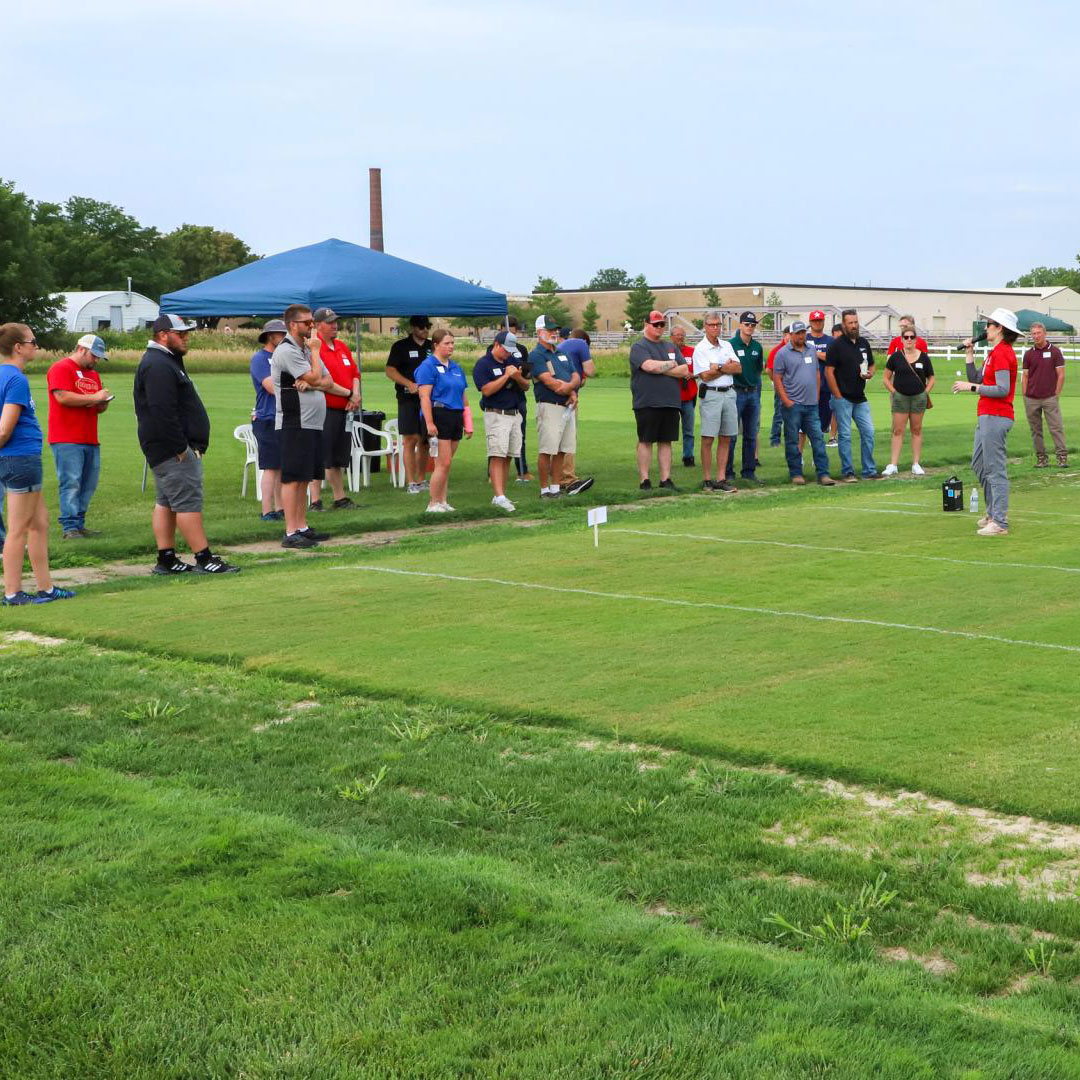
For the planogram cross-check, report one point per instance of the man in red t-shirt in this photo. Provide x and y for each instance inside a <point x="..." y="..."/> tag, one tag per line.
<point x="687" y="396"/>
<point x="342" y="401"/>
<point x="907" y="322"/>
<point x="1043" y="381"/>
<point x="76" y="399"/>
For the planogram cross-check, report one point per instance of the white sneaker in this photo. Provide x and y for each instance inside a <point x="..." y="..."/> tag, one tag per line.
<point x="447" y="508"/>
<point x="424" y="485"/>
<point x="992" y="529"/>
<point x="984" y="520"/>
<point x="437" y="508"/>
<point x="890" y="470"/>
<point x="917" y="470"/>
<point x="832" y="443"/>
<point x="503" y="503"/>
<point x="414" y="489"/>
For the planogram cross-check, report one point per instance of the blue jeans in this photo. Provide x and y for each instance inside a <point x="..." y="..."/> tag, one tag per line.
<point x="804" y="418"/>
<point x="688" y="410"/>
<point x="777" y="418"/>
<point x="77" y="469"/>
<point x="846" y="411"/>
<point x="748" y="406"/>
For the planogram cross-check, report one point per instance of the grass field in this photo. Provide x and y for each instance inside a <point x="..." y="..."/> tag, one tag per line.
<point x="495" y="802"/>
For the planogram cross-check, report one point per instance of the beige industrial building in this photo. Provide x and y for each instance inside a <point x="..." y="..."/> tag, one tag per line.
<point x="936" y="311"/>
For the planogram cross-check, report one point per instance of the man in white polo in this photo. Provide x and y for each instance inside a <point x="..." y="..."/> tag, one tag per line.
<point x="715" y="365"/>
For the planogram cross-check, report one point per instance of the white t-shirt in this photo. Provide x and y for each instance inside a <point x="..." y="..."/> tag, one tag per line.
<point x="707" y="356"/>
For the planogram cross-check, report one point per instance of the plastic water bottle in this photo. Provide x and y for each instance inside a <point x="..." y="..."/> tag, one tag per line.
<point x="973" y="502"/>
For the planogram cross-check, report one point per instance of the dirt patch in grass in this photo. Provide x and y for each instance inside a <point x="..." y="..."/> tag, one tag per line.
<point x="795" y="880"/>
<point x="933" y="962"/>
<point x="1017" y="985"/>
<point x="1058" y="881"/>
<point x="15" y="636"/>
<point x="1016" y="932"/>
<point x="659" y="909"/>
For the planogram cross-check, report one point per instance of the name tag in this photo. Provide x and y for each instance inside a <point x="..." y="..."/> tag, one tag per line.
<point x="671" y="356"/>
<point x="863" y="351"/>
<point x="79" y="374"/>
<point x="345" y="360"/>
<point x="808" y="360"/>
<point x="496" y="371"/>
<point x="413" y="354"/>
<point x="517" y="355"/>
<point x="918" y="363"/>
<point x="741" y="352"/>
<point x="441" y="370"/>
<point x="1046" y="355"/>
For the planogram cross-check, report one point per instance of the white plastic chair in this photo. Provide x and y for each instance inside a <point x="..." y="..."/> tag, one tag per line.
<point x="360" y="461"/>
<point x="397" y="462"/>
<point x="246" y="435"/>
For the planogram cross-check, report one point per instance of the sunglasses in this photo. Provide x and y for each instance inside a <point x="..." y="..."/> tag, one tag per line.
<point x="909" y="337"/>
<point x="990" y="322"/>
<point x="660" y="323"/>
<point x="32" y="341"/>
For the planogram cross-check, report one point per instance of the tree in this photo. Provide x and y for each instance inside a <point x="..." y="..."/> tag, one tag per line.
<point x="1042" y="276"/>
<point x="639" y="302"/>
<point x="590" y="317"/>
<point x="200" y="252"/>
<point x="613" y="277"/>
<point x="546" y="301"/>
<point x="92" y="245"/>
<point x="25" y="285"/>
<point x="712" y="298"/>
<point x="768" y="322"/>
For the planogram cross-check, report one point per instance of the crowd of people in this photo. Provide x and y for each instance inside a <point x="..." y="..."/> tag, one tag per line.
<point x="308" y="393"/>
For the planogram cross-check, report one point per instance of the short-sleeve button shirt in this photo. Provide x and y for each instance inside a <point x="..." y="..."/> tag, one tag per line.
<point x="752" y="358"/>
<point x="447" y="382"/>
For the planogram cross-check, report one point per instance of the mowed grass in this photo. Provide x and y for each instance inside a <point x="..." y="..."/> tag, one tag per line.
<point x="211" y="872"/>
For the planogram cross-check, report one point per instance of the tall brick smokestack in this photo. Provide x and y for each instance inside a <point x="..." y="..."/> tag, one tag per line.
<point x="375" y="213"/>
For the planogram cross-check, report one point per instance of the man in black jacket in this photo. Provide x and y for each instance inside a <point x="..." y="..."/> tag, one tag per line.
<point x="174" y="432"/>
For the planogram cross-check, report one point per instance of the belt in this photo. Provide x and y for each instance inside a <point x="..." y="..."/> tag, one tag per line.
<point x="718" y="389"/>
<point x="561" y="404"/>
<point x="505" y="412"/>
<point x="440" y="405"/>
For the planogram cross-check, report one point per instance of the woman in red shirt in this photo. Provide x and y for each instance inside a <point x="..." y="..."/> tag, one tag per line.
<point x="996" y="388"/>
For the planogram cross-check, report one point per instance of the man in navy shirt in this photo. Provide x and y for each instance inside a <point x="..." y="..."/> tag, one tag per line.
<point x="818" y="340"/>
<point x="262" y="421"/>
<point x="502" y="388"/>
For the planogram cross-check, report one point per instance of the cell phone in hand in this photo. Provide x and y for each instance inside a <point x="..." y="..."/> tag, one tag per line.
<point x="111" y="397"/>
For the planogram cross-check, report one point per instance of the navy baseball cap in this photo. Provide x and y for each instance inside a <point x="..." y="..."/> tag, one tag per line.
<point x="748" y="316"/>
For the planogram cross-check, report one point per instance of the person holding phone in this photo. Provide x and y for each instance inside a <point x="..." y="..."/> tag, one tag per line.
<point x="996" y="388"/>
<point x="441" y="384"/>
<point x="909" y="378"/>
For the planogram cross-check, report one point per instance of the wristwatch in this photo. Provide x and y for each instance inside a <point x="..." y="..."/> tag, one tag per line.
<point x="974" y="388"/>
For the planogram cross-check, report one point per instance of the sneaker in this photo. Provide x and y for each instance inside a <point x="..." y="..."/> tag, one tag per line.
<point x="849" y="478"/>
<point x="299" y="540"/>
<point x="873" y="476"/>
<point x="832" y="444"/>
<point x="725" y="487"/>
<point x="917" y="470"/>
<point x="826" y="481"/>
<point x="55" y="593"/>
<point x="175" y="566"/>
<point x="271" y="515"/>
<point x="19" y="599"/>
<point x="503" y="503"/>
<point x="751" y="478"/>
<point x="892" y="470"/>
<point x="983" y="521"/>
<point x="668" y="484"/>
<point x="578" y="486"/>
<point x="316" y="505"/>
<point x="992" y="528"/>
<point x="71" y="534"/>
<point x="706" y="485"/>
<point x="1042" y="461"/>
<point x="414" y="489"/>
<point x="425" y="485"/>
<point x="523" y="478"/>
<point x="90" y="534"/>
<point x="645" y="485"/>
<point x="436" y="508"/>
<point x="551" y="494"/>
<point x="688" y="462"/>
<point x="320" y="536"/>
<point x="215" y="564"/>
<point x="344" y="504"/>
<point x="1063" y="461"/>
<point x="798" y="481"/>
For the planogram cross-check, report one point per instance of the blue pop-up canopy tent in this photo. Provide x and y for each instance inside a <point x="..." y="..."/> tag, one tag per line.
<point x="351" y="279"/>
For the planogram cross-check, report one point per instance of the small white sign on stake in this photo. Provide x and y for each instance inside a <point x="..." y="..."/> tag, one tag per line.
<point x="597" y="517"/>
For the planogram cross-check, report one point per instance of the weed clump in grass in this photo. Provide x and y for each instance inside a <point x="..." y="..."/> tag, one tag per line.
<point x="851" y="924"/>
<point x="361" y="790"/>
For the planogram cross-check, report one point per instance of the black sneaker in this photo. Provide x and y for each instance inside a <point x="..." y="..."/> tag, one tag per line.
<point x="215" y="564"/>
<point x="688" y="461"/>
<point x="271" y="516"/>
<point x="724" y="486"/>
<point x="316" y="505"/>
<point x="344" y="504"/>
<point x="551" y="494"/>
<point x="668" y="484"/>
<point x="299" y="540"/>
<point x="175" y="565"/>
<point x="578" y="486"/>
<point x="317" y="536"/>
<point x="646" y="484"/>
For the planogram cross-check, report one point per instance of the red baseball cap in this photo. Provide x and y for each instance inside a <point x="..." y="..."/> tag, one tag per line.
<point x="815" y="315"/>
<point x="656" y="316"/>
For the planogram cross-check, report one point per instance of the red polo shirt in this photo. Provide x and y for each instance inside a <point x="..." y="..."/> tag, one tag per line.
<point x="1000" y="358"/>
<point x="339" y="362"/>
<point x="688" y="387"/>
<point x="68" y="424"/>
<point x="897" y="345"/>
<point x="1042" y="366"/>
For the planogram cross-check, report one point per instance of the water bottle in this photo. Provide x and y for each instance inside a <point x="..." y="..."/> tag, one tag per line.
<point x="973" y="502"/>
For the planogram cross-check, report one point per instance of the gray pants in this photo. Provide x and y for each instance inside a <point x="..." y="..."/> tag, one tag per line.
<point x="990" y="465"/>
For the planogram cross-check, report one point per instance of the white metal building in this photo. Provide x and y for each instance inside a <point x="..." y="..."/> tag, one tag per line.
<point x="85" y="312"/>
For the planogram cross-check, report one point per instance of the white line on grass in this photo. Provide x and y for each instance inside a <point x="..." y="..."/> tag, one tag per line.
<point x="845" y="550"/>
<point x="1016" y="513"/>
<point x="670" y="602"/>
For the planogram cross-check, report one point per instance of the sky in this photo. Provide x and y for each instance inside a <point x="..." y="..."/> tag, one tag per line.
<point x="919" y="144"/>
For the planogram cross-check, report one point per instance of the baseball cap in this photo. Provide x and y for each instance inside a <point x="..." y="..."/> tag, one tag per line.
<point x="797" y="327"/>
<point x="817" y="316"/>
<point x="171" y="322"/>
<point x="507" y="339"/>
<point x="325" y="314"/>
<point x="546" y="322"/>
<point x="274" y="326"/>
<point x="748" y="316"/>
<point x="94" y="344"/>
<point x="656" y="316"/>
<point x="787" y="329"/>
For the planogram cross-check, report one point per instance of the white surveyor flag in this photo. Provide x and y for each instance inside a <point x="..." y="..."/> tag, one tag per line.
<point x="597" y="517"/>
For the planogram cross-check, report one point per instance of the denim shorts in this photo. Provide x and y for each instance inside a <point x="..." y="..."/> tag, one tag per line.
<point x="21" y="473"/>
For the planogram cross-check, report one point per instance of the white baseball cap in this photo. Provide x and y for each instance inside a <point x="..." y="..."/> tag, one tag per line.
<point x="94" y="344"/>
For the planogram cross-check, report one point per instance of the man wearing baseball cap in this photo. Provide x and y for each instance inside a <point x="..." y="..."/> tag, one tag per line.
<point x="174" y="433"/>
<point x="502" y="388"/>
<point x="262" y="420"/>
<point x="818" y="340"/>
<point x="406" y="355"/>
<point x="76" y="399"/>
<point x="751" y="356"/>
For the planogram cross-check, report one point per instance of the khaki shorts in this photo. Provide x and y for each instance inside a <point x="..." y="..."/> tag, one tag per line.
<point x="503" y="434"/>
<point x="556" y="429"/>
<point x="909" y="403"/>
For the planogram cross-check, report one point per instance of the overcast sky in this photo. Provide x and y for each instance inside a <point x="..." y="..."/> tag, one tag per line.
<point x="919" y="144"/>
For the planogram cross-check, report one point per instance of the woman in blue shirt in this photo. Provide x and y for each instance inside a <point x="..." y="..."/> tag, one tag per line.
<point x="441" y="384"/>
<point x="20" y="473"/>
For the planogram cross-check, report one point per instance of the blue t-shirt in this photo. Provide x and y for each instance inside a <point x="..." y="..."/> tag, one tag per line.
<point x="555" y="363"/>
<point x="264" y="402"/>
<point x="447" y="382"/>
<point x="577" y="352"/>
<point x="15" y="390"/>
<point x="511" y="396"/>
<point x="819" y="344"/>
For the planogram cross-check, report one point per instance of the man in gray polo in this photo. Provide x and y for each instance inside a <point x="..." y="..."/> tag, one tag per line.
<point x="300" y="413"/>
<point x="797" y="380"/>
<point x="715" y="365"/>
